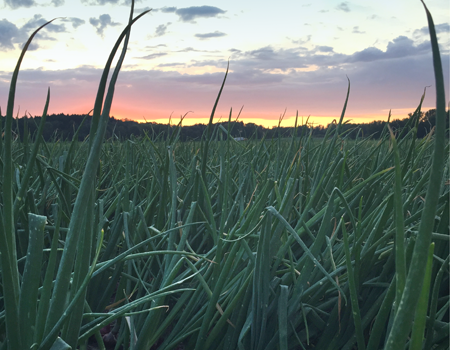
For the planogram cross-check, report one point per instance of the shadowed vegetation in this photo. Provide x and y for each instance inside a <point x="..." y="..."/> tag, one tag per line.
<point x="283" y="242"/>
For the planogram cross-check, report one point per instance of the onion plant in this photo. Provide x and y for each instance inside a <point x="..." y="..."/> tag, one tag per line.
<point x="283" y="243"/>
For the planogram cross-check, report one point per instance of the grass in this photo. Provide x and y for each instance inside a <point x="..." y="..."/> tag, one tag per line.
<point x="287" y="243"/>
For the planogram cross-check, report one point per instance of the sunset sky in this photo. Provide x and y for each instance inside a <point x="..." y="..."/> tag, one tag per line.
<point x="285" y="56"/>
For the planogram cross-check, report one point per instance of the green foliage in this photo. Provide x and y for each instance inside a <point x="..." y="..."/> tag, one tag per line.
<point x="272" y="243"/>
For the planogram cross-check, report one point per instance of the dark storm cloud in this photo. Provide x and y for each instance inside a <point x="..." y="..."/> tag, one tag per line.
<point x="215" y="34"/>
<point x="102" y="22"/>
<point x="15" y="4"/>
<point x="343" y="6"/>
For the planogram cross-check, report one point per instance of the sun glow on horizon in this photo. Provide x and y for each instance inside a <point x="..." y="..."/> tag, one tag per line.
<point x="175" y="62"/>
<point x="287" y="121"/>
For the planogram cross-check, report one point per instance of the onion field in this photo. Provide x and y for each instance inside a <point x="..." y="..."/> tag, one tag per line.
<point x="280" y="243"/>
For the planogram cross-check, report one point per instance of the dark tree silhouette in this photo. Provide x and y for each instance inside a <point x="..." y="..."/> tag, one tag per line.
<point x="63" y="127"/>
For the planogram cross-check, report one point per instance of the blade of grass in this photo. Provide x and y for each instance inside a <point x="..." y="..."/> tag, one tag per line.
<point x="356" y="313"/>
<point x="414" y="280"/>
<point x="31" y="278"/>
<point x="10" y="274"/>
<point x="421" y="311"/>
<point x="32" y="158"/>
<point x="63" y="276"/>
<point x="208" y="130"/>
<point x="400" y="262"/>
<point x="282" y="317"/>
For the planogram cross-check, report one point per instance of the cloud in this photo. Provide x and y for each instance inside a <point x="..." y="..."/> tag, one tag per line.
<point x="343" y="6"/>
<point x="264" y="53"/>
<point x="174" y="64"/>
<point x="8" y="32"/>
<point x="108" y="2"/>
<point x="204" y="36"/>
<point x="191" y="49"/>
<point x="155" y="46"/>
<point x="128" y="2"/>
<point x="38" y="21"/>
<point x="14" y="4"/>
<point x="100" y="2"/>
<point x="302" y="41"/>
<point x="357" y="31"/>
<point x="400" y="47"/>
<point x="153" y="56"/>
<point x="142" y="9"/>
<point x="324" y="48"/>
<point x="378" y="84"/>
<point x="161" y="29"/>
<point x="102" y="22"/>
<point x="189" y="14"/>
<point x="320" y="59"/>
<point x="76" y="22"/>
<point x="440" y="28"/>
<point x="171" y="9"/>
<point x="291" y="77"/>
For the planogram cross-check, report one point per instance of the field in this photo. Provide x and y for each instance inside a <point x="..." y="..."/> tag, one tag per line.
<point x="281" y="243"/>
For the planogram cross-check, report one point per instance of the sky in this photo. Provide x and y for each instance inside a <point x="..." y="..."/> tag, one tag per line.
<point x="286" y="58"/>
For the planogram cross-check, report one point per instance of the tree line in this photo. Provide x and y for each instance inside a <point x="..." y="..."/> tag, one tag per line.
<point x="63" y="127"/>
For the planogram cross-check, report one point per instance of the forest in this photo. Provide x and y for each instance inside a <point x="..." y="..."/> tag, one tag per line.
<point x="63" y="127"/>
